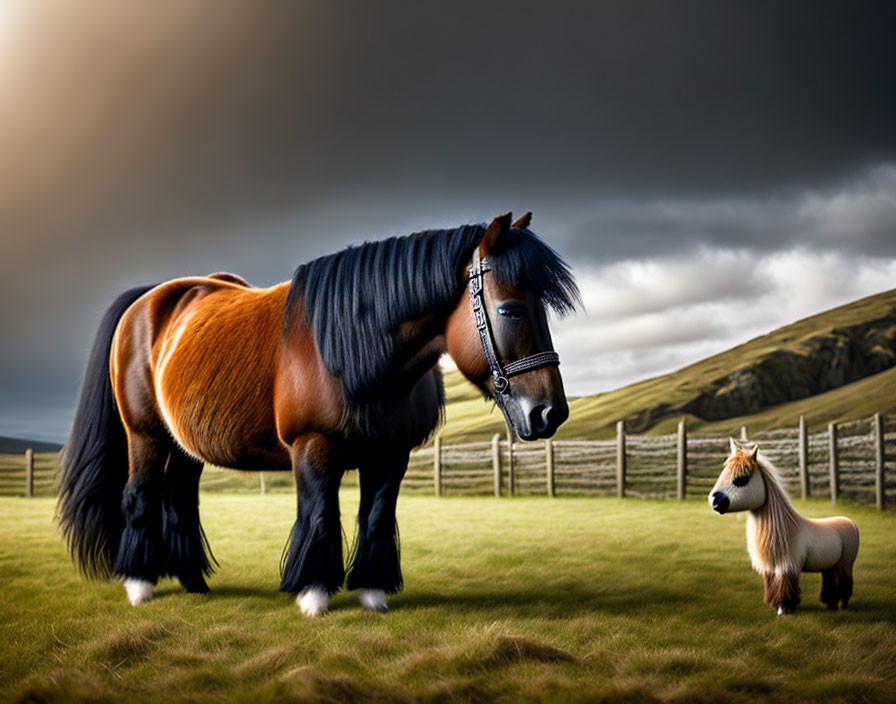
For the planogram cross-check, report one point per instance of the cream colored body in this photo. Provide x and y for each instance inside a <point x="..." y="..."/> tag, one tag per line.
<point x="781" y="542"/>
<point x="818" y="544"/>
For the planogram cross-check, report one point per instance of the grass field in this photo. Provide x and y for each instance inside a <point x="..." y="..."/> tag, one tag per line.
<point x="563" y="600"/>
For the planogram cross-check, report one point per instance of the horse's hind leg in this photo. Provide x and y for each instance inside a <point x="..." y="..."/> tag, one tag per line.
<point x="376" y="565"/>
<point x="140" y="552"/>
<point x="844" y="584"/>
<point x="829" y="594"/>
<point x="312" y="564"/>
<point x="187" y="552"/>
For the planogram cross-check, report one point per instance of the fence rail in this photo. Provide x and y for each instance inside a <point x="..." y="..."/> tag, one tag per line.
<point x="849" y="460"/>
<point x="28" y="474"/>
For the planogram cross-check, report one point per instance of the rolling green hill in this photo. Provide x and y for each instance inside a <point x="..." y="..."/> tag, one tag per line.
<point x="834" y="366"/>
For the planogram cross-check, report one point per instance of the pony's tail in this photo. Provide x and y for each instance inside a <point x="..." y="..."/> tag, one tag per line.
<point x="94" y="461"/>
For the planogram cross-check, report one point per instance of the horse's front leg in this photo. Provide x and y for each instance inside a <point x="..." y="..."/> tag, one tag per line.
<point x="312" y="564"/>
<point x="782" y="591"/>
<point x="376" y="567"/>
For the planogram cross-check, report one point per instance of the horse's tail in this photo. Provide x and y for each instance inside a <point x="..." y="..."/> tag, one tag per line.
<point x="94" y="461"/>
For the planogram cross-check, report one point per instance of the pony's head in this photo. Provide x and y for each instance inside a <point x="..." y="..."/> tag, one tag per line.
<point x="498" y="335"/>
<point x="740" y="486"/>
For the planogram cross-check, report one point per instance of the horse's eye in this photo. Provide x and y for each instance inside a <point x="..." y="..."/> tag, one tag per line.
<point x="741" y="480"/>
<point x="514" y="311"/>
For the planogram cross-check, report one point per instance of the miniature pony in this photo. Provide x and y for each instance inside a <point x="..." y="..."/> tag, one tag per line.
<point x="782" y="543"/>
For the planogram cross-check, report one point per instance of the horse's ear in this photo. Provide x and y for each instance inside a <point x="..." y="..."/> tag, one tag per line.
<point x="755" y="451"/>
<point x="495" y="235"/>
<point x="733" y="443"/>
<point x="524" y="222"/>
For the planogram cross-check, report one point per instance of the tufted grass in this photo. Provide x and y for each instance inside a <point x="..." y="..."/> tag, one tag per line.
<point x="510" y="599"/>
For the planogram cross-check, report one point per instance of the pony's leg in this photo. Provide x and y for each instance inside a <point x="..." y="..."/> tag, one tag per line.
<point x="376" y="565"/>
<point x="140" y="552"/>
<point x="844" y="584"/>
<point x="187" y="553"/>
<point x="782" y="591"/>
<point x="312" y="564"/>
<point x="829" y="594"/>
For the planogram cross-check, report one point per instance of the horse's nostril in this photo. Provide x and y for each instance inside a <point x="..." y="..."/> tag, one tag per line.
<point x="720" y="502"/>
<point x="551" y="417"/>
<point x="538" y="418"/>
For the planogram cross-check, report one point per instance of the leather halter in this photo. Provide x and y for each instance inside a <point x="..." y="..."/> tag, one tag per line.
<point x="501" y="374"/>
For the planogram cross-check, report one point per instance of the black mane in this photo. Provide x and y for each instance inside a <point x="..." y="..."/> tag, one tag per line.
<point x="355" y="299"/>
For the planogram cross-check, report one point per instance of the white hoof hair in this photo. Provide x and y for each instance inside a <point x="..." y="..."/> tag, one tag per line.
<point x="139" y="590"/>
<point x="313" y="601"/>
<point x="780" y="611"/>
<point x="373" y="600"/>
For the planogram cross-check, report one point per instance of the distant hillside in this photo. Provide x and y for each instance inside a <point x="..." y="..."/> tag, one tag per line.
<point x="18" y="445"/>
<point x="837" y="365"/>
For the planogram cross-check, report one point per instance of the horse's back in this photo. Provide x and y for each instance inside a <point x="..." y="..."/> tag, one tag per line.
<point x="207" y="348"/>
<point x="230" y="278"/>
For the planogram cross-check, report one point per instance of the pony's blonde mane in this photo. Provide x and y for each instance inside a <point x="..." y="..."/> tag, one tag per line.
<point x="776" y="519"/>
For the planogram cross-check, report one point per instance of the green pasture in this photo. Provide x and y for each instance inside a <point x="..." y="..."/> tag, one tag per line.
<point x="505" y="599"/>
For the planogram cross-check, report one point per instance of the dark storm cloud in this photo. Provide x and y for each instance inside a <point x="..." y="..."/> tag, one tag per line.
<point x="142" y="141"/>
<point x="855" y="215"/>
<point x="155" y="117"/>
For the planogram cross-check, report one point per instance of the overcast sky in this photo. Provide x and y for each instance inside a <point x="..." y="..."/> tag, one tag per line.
<point x="710" y="170"/>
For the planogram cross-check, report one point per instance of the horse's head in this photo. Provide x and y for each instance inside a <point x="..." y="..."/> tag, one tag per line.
<point x="498" y="336"/>
<point x="740" y="486"/>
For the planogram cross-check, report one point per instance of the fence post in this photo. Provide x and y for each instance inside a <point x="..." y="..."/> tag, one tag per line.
<point x="879" y="486"/>
<point x="549" y="463"/>
<point x="510" y="473"/>
<point x="261" y="480"/>
<point x="743" y="432"/>
<point x="682" y="459"/>
<point x="496" y="462"/>
<point x="804" y="459"/>
<point x="29" y="472"/>
<point x="437" y="465"/>
<point x="835" y="462"/>
<point x="620" y="458"/>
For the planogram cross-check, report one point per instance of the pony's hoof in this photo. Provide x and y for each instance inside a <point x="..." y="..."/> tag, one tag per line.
<point x="313" y="602"/>
<point x="139" y="590"/>
<point x="373" y="600"/>
<point x="194" y="583"/>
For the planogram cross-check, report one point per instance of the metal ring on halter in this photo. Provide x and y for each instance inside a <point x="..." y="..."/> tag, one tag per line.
<point x="501" y="375"/>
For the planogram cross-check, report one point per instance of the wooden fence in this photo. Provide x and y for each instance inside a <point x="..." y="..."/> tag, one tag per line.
<point x="847" y="460"/>
<point x="31" y="474"/>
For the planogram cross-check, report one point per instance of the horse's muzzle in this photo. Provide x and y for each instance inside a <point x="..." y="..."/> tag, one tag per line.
<point x="720" y="502"/>
<point x="541" y="420"/>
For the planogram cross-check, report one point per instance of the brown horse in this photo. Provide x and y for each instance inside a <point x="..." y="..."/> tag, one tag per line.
<point x="334" y="370"/>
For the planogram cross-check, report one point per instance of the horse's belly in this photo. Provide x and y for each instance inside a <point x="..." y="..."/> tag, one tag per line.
<point x="221" y="440"/>
<point x="823" y="548"/>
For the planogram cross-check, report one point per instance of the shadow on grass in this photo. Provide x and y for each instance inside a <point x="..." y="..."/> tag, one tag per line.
<point x="565" y="603"/>
<point x="541" y="602"/>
